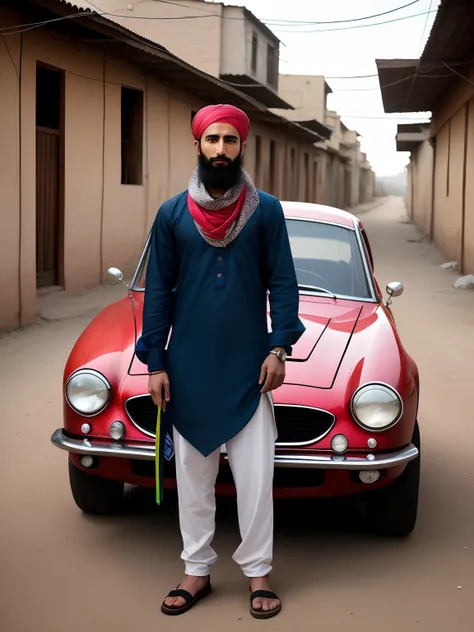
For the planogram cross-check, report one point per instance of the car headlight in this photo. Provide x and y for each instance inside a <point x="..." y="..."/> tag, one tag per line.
<point x="376" y="407"/>
<point x="87" y="392"/>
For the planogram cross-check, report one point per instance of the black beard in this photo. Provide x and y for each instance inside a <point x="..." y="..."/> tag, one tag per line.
<point x="220" y="177"/>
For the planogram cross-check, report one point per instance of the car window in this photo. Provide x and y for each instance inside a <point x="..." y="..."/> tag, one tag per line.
<point x="328" y="256"/>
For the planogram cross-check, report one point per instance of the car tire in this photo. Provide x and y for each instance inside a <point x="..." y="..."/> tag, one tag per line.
<point x="94" y="495"/>
<point x="392" y="512"/>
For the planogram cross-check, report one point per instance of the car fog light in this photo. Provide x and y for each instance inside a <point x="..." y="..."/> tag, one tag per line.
<point x="87" y="461"/>
<point x="339" y="443"/>
<point x="369" y="476"/>
<point x="85" y="428"/>
<point x="117" y="430"/>
<point x="372" y="443"/>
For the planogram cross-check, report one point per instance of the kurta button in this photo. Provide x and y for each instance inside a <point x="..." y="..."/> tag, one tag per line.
<point x="219" y="275"/>
<point x="219" y="258"/>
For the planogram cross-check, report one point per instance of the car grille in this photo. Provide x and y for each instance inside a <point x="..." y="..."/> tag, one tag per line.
<point x="297" y="425"/>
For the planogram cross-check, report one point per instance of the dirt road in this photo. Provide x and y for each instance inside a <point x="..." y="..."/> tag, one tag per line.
<point x="62" y="571"/>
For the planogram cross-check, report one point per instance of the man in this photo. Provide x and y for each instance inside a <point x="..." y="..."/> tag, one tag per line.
<point x="216" y="250"/>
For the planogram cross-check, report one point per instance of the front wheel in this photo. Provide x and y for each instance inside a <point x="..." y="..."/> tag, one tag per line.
<point x="392" y="512"/>
<point x="94" y="495"/>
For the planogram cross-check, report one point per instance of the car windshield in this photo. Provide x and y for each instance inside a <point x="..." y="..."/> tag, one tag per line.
<point x="327" y="258"/>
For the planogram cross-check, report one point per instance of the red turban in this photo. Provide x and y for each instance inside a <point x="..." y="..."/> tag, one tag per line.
<point x="220" y="114"/>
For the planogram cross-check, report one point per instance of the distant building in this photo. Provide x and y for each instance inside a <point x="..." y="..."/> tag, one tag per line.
<point x="343" y="177"/>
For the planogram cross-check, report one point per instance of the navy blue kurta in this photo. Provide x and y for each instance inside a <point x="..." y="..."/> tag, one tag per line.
<point x="215" y="302"/>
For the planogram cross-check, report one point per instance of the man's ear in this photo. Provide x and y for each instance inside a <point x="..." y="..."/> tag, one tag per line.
<point x="198" y="147"/>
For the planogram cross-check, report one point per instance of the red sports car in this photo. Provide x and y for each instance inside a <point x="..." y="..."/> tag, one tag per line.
<point x="346" y="414"/>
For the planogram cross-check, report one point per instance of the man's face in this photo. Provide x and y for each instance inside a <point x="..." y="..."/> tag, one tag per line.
<point x="220" y="144"/>
<point x="220" y="154"/>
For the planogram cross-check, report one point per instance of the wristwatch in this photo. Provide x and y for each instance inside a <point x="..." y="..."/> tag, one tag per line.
<point x="281" y="354"/>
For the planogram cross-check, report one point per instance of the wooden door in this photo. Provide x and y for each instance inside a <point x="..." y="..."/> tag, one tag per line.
<point x="47" y="206"/>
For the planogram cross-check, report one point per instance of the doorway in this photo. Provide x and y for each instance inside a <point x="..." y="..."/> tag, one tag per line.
<point x="49" y="176"/>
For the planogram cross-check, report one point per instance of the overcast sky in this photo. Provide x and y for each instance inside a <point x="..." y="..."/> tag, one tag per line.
<point x="351" y="52"/>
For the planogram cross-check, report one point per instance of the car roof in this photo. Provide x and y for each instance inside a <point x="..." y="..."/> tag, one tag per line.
<point x="318" y="212"/>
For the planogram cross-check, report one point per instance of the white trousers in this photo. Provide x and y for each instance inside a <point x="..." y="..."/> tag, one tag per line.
<point x="251" y="456"/>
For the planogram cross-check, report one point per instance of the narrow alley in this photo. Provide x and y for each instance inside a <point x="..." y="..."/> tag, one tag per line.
<point x="62" y="570"/>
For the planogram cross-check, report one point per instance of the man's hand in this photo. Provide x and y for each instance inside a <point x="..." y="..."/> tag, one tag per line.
<point x="273" y="373"/>
<point x="159" y="388"/>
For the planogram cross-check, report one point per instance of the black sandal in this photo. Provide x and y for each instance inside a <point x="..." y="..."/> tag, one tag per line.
<point x="264" y="614"/>
<point x="190" y="600"/>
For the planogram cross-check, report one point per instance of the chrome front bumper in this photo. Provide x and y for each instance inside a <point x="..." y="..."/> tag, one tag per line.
<point x="323" y="460"/>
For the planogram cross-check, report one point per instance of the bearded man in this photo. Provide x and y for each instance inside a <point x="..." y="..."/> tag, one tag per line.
<point x="218" y="250"/>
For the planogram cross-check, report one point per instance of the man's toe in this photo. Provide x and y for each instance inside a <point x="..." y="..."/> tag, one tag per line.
<point x="174" y="602"/>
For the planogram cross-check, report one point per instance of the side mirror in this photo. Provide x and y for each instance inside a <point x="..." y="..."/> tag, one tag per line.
<point x="394" y="289"/>
<point x="117" y="274"/>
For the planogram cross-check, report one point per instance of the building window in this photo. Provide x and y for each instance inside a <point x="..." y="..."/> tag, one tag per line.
<point x="272" y="66"/>
<point x="273" y="177"/>
<point x="48" y="98"/>
<point x="132" y="136"/>
<point x="254" y="52"/>
<point x="258" y="160"/>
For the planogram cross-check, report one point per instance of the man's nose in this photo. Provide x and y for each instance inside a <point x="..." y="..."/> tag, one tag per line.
<point x="221" y="148"/>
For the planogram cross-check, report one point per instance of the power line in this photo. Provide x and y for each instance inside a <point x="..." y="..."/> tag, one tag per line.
<point x="289" y="22"/>
<point x="366" y="17"/>
<point x="353" y="76"/>
<point x="11" y="57"/>
<point x="394" y="83"/>
<point x="26" y="27"/>
<point x="22" y="28"/>
<point x="458" y="74"/>
<point x="408" y="94"/>
<point x="424" y="29"/>
<point x="387" y="85"/>
<point x="384" y="118"/>
<point x="357" y="26"/>
<point x="426" y="70"/>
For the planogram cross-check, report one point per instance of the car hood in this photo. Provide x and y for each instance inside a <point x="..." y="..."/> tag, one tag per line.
<point x="109" y="341"/>
<point x="319" y="352"/>
<point x="329" y="326"/>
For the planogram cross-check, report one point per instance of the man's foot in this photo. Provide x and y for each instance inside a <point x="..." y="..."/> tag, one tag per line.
<point x="192" y="585"/>
<point x="264" y="605"/>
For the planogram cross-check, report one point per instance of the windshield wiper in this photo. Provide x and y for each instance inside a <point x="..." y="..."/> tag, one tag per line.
<point x="315" y="288"/>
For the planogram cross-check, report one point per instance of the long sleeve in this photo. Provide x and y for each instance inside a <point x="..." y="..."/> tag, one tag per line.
<point x="282" y="283"/>
<point x="161" y="278"/>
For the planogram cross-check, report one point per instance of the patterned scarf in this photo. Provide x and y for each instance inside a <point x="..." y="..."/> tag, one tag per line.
<point x="249" y="202"/>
